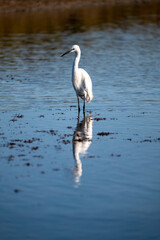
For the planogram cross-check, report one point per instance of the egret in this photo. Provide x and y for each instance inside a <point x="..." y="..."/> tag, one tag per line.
<point x="81" y="80"/>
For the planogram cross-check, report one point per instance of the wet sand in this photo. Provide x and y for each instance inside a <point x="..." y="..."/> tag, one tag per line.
<point x="30" y="5"/>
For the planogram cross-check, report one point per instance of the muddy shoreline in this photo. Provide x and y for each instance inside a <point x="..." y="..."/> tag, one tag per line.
<point x="34" y="5"/>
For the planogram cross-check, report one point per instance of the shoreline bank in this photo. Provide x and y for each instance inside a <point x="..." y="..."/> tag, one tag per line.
<point x="7" y="6"/>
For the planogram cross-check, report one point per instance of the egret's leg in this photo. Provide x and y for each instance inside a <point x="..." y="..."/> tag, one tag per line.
<point x="84" y="107"/>
<point x="78" y="105"/>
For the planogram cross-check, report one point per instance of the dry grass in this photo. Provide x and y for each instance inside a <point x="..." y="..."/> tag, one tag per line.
<point x="27" y="5"/>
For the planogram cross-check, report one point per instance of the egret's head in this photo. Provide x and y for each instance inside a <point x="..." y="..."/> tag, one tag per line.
<point x="74" y="48"/>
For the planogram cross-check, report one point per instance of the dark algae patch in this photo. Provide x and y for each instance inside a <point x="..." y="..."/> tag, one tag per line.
<point x="66" y="141"/>
<point x="12" y="144"/>
<point x="56" y="169"/>
<point x="53" y="132"/>
<point x="35" y="148"/>
<point x="13" y="120"/>
<point x="104" y="133"/>
<point x="115" y="155"/>
<point x="10" y="158"/>
<point x="17" y="140"/>
<point x="31" y="140"/>
<point x="99" y="119"/>
<point x="150" y="140"/>
<point x="16" y="190"/>
<point x="28" y="164"/>
<point x="19" y="116"/>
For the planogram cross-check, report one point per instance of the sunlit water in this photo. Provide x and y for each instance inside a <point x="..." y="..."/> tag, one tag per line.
<point x="96" y="178"/>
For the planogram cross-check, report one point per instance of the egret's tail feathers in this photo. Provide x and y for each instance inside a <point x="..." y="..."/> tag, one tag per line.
<point x="89" y="97"/>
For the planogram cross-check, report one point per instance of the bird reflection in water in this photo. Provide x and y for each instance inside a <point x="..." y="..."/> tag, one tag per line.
<point x="81" y="141"/>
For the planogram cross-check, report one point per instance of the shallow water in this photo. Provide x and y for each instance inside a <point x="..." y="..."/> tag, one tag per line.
<point x="93" y="179"/>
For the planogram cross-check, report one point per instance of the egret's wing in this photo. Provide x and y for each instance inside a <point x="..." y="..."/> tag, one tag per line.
<point x="86" y="80"/>
<point x="86" y="84"/>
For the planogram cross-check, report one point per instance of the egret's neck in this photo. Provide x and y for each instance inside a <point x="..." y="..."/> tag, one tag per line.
<point x="76" y="60"/>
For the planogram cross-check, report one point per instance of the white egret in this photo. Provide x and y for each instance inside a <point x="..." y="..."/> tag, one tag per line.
<point x="80" y="79"/>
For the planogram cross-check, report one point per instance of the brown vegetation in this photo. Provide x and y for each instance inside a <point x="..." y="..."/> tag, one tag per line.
<point x="27" y="5"/>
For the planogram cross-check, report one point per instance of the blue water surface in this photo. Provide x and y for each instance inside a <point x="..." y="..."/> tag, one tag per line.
<point x="96" y="178"/>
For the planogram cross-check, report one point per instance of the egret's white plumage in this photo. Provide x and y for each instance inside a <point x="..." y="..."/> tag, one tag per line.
<point x="80" y="78"/>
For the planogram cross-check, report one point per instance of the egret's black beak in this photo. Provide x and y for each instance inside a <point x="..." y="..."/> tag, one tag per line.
<point x="66" y="52"/>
